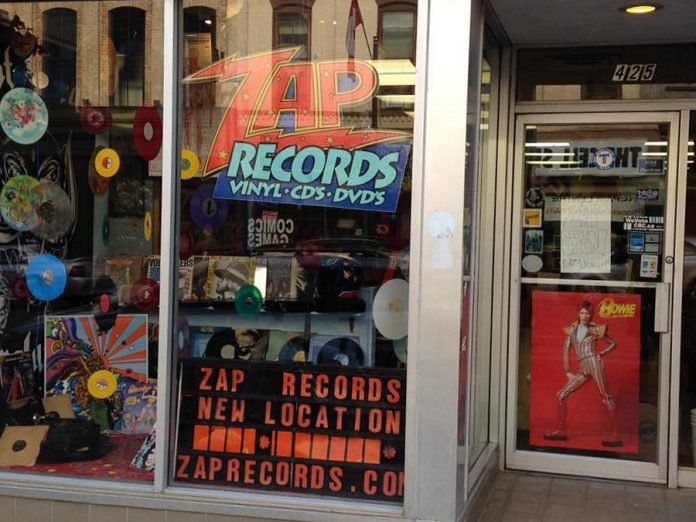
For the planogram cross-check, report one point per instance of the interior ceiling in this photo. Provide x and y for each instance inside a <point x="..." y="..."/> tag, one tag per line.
<point x="593" y="22"/>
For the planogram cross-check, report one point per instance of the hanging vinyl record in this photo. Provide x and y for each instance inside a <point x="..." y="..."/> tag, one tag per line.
<point x="147" y="132"/>
<point x="145" y="294"/>
<point x="207" y="212"/>
<point x="46" y="277"/>
<point x="147" y="226"/>
<point x="22" y="40"/>
<point x="40" y="80"/>
<point x="105" y="304"/>
<point x="54" y="210"/>
<point x="189" y="164"/>
<point x="23" y="116"/>
<point x="20" y="290"/>
<point x="107" y="162"/>
<point x="248" y="300"/>
<point x="97" y="184"/>
<point x="95" y="120"/>
<point x="18" y="203"/>
<point x="390" y="309"/>
<point x="102" y="384"/>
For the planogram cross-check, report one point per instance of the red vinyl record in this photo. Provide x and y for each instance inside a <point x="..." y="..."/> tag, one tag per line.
<point x="95" y="120"/>
<point x="145" y="294"/>
<point x="147" y="132"/>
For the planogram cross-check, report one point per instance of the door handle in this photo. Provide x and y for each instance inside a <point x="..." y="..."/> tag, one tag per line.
<point x="662" y="308"/>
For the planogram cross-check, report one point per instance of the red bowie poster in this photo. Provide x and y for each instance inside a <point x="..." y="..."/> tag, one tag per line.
<point x="585" y="371"/>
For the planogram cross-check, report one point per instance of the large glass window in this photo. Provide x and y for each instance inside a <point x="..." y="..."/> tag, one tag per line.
<point x="80" y="213"/>
<point x="294" y="246"/>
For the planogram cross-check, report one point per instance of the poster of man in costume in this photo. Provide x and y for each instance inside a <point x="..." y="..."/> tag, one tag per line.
<point x="585" y="371"/>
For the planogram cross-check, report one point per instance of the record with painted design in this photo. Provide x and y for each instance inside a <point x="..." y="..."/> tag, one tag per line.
<point x="18" y="203"/>
<point x="54" y="209"/>
<point x="23" y="116"/>
<point x="46" y="277"/>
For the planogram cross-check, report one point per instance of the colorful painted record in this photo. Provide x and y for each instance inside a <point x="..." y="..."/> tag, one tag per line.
<point x="189" y="164"/>
<point x="207" y="212"/>
<point x="95" y="120"/>
<point x="147" y="226"/>
<point x="102" y="384"/>
<point x="147" y="132"/>
<point x="145" y="294"/>
<point x="18" y="203"/>
<point x="54" y="209"/>
<point x="248" y="300"/>
<point x="107" y="162"/>
<point x="46" y="277"/>
<point x="23" y="116"/>
<point x="97" y="184"/>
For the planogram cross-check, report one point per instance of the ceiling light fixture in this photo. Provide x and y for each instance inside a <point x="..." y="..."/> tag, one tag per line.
<point x="639" y="9"/>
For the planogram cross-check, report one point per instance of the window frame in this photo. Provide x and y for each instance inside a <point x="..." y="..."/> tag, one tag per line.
<point x="301" y="7"/>
<point x="398" y="6"/>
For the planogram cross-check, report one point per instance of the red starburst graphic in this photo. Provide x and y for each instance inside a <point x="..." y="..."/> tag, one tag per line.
<point x="389" y="452"/>
<point x="264" y="442"/>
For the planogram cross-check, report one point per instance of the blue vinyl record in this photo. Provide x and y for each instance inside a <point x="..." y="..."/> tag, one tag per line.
<point x="46" y="277"/>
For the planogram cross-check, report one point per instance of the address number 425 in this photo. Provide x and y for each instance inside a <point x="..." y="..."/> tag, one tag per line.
<point x="634" y="72"/>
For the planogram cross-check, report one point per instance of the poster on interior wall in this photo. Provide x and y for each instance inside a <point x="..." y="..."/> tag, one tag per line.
<point x="586" y="235"/>
<point x="324" y="429"/>
<point x="585" y="371"/>
<point x="626" y="158"/>
<point x="294" y="147"/>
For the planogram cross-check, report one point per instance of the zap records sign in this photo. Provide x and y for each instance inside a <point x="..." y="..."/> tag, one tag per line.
<point x="325" y="430"/>
<point x="282" y="139"/>
<point x="585" y="371"/>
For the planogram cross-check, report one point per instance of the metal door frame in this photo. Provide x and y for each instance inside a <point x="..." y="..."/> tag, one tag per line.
<point x="571" y="464"/>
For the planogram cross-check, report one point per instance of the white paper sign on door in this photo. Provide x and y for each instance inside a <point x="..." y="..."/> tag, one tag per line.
<point x="586" y="235"/>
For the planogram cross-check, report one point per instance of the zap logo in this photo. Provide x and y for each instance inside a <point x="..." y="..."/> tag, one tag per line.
<point x="609" y="308"/>
<point x="282" y="138"/>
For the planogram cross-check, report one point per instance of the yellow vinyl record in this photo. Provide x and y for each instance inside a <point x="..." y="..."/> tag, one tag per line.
<point x="102" y="384"/>
<point x="189" y="164"/>
<point x="107" y="162"/>
<point x="147" y="226"/>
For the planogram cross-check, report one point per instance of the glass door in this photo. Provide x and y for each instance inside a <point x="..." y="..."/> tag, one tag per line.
<point x="592" y="267"/>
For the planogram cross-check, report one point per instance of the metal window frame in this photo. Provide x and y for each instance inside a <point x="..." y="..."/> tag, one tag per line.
<point x="527" y="460"/>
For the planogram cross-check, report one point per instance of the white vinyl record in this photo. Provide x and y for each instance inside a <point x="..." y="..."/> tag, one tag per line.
<point x="390" y="309"/>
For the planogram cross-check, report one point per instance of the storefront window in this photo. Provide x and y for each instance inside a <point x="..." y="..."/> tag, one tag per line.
<point x="294" y="254"/>
<point x="80" y="210"/>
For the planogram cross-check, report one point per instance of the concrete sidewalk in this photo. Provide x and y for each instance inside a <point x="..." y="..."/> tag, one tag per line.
<point x="519" y="497"/>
